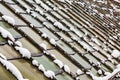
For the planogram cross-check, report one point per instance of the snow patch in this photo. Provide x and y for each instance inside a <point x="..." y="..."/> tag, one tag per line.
<point x="9" y="66"/>
<point x="24" y="52"/>
<point x="18" y="43"/>
<point x="79" y="72"/>
<point x="9" y="19"/>
<point x="115" y="53"/>
<point x="6" y="34"/>
<point x="67" y="69"/>
<point x="43" y="46"/>
<point x="44" y="35"/>
<point x="52" y="41"/>
<point x="41" y="67"/>
<point x="49" y="74"/>
<point x="59" y="25"/>
<point x="58" y="62"/>
<point x="107" y="76"/>
<point x="35" y="63"/>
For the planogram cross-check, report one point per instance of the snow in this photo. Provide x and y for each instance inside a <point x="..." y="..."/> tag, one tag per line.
<point x="18" y="43"/>
<point x="37" y="1"/>
<point x="35" y="63"/>
<point x="49" y="74"/>
<point x="44" y="35"/>
<point x="34" y="15"/>
<point x="115" y="53"/>
<point x="17" y="11"/>
<point x="67" y="69"/>
<point x="79" y="72"/>
<point x="24" y="52"/>
<point x="43" y="46"/>
<point x="53" y="56"/>
<point x="39" y="10"/>
<point x="9" y="66"/>
<point x="28" y="10"/>
<point x="55" y="8"/>
<point x="31" y="25"/>
<point x="58" y="62"/>
<point x="100" y="71"/>
<point x="107" y="73"/>
<point x="10" y="42"/>
<point x="107" y="76"/>
<point x="9" y="19"/>
<point x="59" y="25"/>
<point x="6" y="34"/>
<point x="50" y="18"/>
<point x="41" y="67"/>
<point x="52" y="41"/>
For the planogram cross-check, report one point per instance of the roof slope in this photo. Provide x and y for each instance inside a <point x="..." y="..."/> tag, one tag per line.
<point x="68" y="40"/>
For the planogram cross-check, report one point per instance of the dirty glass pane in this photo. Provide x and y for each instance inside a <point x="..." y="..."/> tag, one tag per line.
<point x="63" y="14"/>
<point x="28" y="68"/>
<point x="63" y="77"/>
<point x="48" y="32"/>
<point x="81" y="61"/>
<point x="9" y="1"/>
<point x="65" y="47"/>
<point x="5" y="75"/>
<point x="73" y="35"/>
<point x="49" y="65"/>
<point x="78" y="47"/>
<point x="10" y="29"/>
<point x="33" y="35"/>
<point x="1" y="39"/>
<point x="23" y="4"/>
<point x="9" y="52"/>
<point x="41" y="18"/>
<point x="57" y="15"/>
<point x="65" y="37"/>
<point x="8" y="13"/>
<point x="75" y="23"/>
<point x="29" y="46"/>
<point x="84" y="77"/>
<point x="64" y="60"/>
<point x="16" y="7"/>
<point x="49" y="25"/>
<point x="32" y="20"/>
